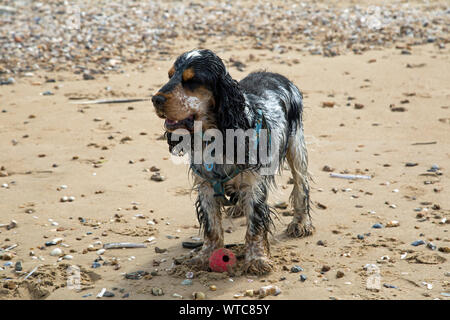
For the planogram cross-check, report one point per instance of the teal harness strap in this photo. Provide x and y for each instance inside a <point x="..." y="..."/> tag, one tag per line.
<point x="218" y="184"/>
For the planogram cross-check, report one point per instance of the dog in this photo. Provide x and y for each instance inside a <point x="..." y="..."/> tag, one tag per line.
<point x="200" y="89"/>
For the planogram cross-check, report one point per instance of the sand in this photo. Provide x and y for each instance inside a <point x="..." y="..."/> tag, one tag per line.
<point x="103" y="153"/>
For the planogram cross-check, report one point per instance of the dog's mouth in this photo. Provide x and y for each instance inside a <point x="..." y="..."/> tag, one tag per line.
<point x="187" y="124"/>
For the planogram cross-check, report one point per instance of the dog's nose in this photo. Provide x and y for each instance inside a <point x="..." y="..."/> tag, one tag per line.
<point x="158" y="101"/>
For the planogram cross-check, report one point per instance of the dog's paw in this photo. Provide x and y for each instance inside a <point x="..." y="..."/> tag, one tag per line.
<point x="259" y="266"/>
<point x="300" y="229"/>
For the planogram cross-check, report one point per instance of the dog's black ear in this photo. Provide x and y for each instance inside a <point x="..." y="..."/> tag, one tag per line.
<point x="230" y="104"/>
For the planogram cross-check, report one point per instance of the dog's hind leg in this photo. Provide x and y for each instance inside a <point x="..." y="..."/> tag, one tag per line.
<point x="297" y="157"/>
<point x="210" y="218"/>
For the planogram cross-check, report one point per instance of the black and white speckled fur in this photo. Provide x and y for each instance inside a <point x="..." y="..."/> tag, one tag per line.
<point x="236" y="106"/>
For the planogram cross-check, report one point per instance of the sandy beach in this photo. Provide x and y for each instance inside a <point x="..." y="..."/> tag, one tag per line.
<point x="80" y="174"/>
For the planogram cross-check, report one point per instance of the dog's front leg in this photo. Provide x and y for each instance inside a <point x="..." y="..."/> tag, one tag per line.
<point x="254" y="204"/>
<point x="210" y="219"/>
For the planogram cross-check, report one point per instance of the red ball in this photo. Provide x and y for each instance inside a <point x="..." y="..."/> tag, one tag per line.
<point x="220" y="259"/>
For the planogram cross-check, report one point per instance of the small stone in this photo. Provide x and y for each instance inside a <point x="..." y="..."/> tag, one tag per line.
<point x="212" y="288"/>
<point x="377" y="226"/>
<point x="159" y="250"/>
<point x="327" y="168"/>
<point x="340" y="274"/>
<point x="321" y="243"/>
<point x="296" y="269"/>
<point x="18" y="266"/>
<point x="328" y="104"/>
<point x="249" y="293"/>
<point x="392" y="224"/>
<point x="157" y="291"/>
<point x="198" y="295"/>
<point x="411" y="164"/>
<point x="444" y="249"/>
<point x="157" y="177"/>
<point x="56" y="252"/>
<point x="303" y="278"/>
<point x="108" y="294"/>
<point x="325" y="268"/>
<point x="96" y="265"/>
<point x="87" y="76"/>
<point x="7" y="256"/>
<point x="186" y="282"/>
<point x="417" y="243"/>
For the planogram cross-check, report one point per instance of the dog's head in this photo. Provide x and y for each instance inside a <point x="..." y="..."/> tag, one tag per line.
<point x="200" y="89"/>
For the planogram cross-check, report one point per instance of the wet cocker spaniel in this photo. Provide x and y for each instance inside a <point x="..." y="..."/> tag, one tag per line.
<point x="201" y="90"/>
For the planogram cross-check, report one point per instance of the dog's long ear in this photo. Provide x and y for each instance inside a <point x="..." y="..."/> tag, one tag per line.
<point x="230" y="104"/>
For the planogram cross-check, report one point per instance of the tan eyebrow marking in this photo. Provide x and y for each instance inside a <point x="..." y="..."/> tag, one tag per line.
<point x="188" y="74"/>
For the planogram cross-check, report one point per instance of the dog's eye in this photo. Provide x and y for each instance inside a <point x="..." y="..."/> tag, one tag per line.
<point x="191" y="83"/>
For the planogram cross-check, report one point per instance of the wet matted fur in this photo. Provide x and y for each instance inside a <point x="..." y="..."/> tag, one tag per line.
<point x="201" y="89"/>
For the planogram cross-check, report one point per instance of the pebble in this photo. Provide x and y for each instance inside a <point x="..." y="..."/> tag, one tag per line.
<point x="7" y="256"/>
<point x="340" y="274"/>
<point x="325" y="268"/>
<point x="296" y="269"/>
<point x="157" y="177"/>
<point x="198" y="295"/>
<point x="212" y="288"/>
<point x="411" y="164"/>
<point x="136" y="275"/>
<point x="56" y="252"/>
<point x="96" y="265"/>
<point x="108" y="294"/>
<point x="18" y="266"/>
<point x="392" y="224"/>
<point x="389" y="286"/>
<point x="186" y="282"/>
<point x="100" y="252"/>
<point x="159" y="250"/>
<point x="157" y="291"/>
<point x="303" y="278"/>
<point x="377" y="226"/>
<point x="417" y="243"/>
